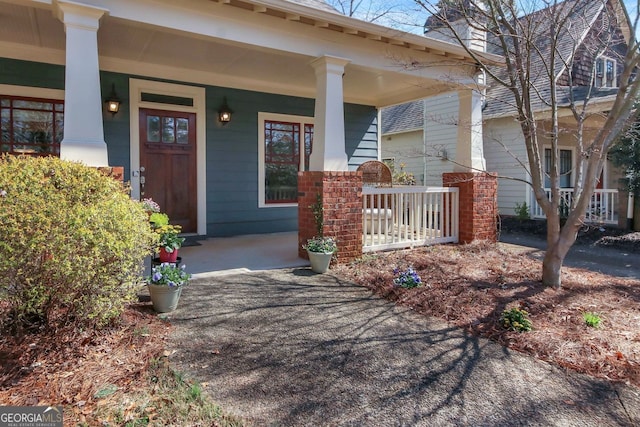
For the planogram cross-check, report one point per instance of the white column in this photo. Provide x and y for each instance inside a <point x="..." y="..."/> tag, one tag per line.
<point x="83" y="139"/>
<point x="469" y="148"/>
<point x="328" y="152"/>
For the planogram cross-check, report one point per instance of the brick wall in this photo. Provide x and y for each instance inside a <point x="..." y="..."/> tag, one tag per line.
<point x="116" y="172"/>
<point x="342" y="202"/>
<point x="478" y="204"/>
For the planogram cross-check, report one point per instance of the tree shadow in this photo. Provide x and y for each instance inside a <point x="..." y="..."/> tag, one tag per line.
<point x="292" y="348"/>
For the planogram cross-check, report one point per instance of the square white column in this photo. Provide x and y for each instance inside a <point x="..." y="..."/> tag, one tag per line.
<point x="83" y="139"/>
<point x="469" y="147"/>
<point x="328" y="152"/>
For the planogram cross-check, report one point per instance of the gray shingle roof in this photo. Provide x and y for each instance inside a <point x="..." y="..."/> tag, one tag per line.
<point x="581" y="14"/>
<point x="403" y="117"/>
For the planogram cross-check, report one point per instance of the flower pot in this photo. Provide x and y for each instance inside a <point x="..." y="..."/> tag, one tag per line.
<point x="320" y="261"/>
<point x="164" y="298"/>
<point x="168" y="256"/>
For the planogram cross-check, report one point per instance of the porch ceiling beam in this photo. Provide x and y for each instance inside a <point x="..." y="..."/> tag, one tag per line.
<point x="271" y="32"/>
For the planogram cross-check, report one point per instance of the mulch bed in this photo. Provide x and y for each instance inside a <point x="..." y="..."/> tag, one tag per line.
<point x="470" y="286"/>
<point x="73" y="368"/>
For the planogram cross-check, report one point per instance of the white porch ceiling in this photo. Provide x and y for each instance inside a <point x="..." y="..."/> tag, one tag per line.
<point x="30" y="31"/>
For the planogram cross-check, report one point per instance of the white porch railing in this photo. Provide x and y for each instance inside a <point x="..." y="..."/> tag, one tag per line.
<point x="402" y="217"/>
<point x="603" y="208"/>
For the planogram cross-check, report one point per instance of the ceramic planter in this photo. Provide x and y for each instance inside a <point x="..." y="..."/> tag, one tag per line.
<point x="164" y="298"/>
<point x="320" y="261"/>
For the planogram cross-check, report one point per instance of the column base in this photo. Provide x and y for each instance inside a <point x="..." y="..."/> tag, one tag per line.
<point x="89" y="153"/>
<point x="341" y="194"/>
<point x="478" y="204"/>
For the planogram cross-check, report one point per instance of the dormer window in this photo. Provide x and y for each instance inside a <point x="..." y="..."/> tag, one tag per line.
<point x="606" y="75"/>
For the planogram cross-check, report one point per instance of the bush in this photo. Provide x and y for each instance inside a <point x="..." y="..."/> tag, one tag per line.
<point x="522" y="211"/>
<point x="592" y="320"/>
<point x="516" y="320"/>
<point x="72" y="243"/>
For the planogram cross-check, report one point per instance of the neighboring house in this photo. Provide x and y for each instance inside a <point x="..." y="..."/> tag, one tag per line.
<point x="426" y="141"/>
<point x="292" y="75"/>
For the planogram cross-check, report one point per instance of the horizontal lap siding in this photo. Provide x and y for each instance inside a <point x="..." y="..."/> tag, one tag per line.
<point x="499" y="132"/>
<point x="232" y="150"/>
<point x="361" y="134"/>
<point x="50" y="76"/>
<point x="406" y="148"/>
<point x="232" y="159"/>
<point x="441" y="118"/>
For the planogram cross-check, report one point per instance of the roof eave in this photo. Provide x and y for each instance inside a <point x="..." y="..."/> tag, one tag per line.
<point x="356" y="27"/>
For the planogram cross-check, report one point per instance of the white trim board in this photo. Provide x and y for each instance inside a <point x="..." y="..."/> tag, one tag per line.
<point x="198" y="94"/>
<point x="262" y="117"/>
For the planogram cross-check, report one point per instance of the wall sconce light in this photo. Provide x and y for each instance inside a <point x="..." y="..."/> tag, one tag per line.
<point x="224" y="112"/>
<point x="113" y="102"/>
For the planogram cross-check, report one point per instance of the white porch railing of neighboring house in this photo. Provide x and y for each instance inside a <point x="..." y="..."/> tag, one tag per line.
<point x="404" y="217"/>
<point x="603" y="208"/>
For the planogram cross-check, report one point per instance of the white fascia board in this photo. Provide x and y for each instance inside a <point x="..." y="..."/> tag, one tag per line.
<point x="373" y="29"/>
<point x="213" y="20"/>
<point x="400" y="132"/>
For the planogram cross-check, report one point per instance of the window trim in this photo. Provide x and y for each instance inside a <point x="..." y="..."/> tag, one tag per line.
<point x="603" y="78"/>
<point x="37" y="94"/>
<point x="262" y="117"/>
<point x="573" y="163"/>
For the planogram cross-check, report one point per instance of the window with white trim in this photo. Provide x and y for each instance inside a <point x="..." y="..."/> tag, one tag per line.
<point x="606" y="72"/>
<point x="566" y="168"/>
<point x="284" y="149"/>
<point x="31" y="126"/>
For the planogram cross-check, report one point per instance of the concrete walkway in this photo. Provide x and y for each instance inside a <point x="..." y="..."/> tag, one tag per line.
<point x="612" y="261"/>
<point x="287" y="347"/>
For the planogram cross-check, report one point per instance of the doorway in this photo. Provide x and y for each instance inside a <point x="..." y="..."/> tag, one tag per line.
<point x="168" y="152"/>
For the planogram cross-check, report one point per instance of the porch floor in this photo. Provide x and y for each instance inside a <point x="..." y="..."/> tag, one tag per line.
<point x="225" y="255"/>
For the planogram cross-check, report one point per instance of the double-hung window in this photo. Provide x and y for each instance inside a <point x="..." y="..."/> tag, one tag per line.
<point x="31" y="125"/>
<point x="606" y="73"/>
<point x="566" y="167"/>
<point x="284" y="149"/>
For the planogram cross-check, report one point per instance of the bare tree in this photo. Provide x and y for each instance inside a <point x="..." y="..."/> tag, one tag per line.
<point x="393" y="14"/>
<point x="554" y="69"/>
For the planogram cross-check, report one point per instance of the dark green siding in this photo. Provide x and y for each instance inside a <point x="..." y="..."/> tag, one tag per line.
<point x="35" y="74"/>
<point x="232" y="150"/>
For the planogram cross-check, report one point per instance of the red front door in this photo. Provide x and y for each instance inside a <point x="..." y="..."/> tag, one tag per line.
<point x="168" y="164"/>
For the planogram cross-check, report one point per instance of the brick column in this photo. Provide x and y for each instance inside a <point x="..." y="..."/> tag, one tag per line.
<point x="116" y="172"/>
<point x="342" y="202"/>
<point x="478" y="204"/>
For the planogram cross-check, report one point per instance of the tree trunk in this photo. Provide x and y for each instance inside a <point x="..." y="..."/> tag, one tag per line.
<point x="559" y="241"/>
<point x="552" y="268"/>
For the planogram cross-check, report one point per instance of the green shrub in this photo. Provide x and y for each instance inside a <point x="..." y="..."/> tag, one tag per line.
<point x="591" y="319"/>
<point x="522" y="211"/>
<point x="516" y="320"/>
<point x="72" y="243"/>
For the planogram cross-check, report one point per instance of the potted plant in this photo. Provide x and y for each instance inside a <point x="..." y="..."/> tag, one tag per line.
<point x="150" y="206"/>
<point x="169" y="242"/>
<point x="165" y="286"/>
<point x="320" y="251"/>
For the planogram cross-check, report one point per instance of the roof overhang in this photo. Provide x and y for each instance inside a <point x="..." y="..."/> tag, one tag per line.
<point x="261" y="45"/>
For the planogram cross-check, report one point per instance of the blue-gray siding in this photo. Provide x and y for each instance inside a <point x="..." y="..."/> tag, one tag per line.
<point x="232" y="150"/>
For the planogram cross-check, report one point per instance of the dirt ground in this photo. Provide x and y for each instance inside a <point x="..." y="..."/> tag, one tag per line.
<point x="471" y="285"/>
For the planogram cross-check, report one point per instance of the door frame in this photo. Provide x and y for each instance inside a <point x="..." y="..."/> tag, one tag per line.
<point x="136" y="88"/>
